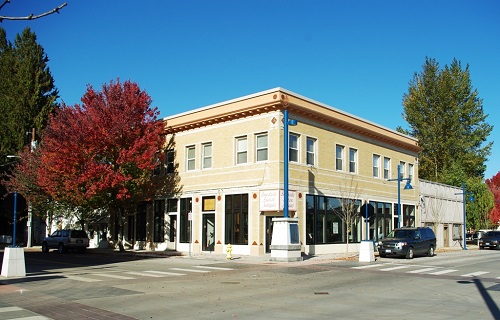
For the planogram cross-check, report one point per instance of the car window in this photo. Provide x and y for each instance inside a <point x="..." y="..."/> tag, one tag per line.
<point x="55" y="233"/>
<point x="65" y="233"/>
<point x="403" y="233"/>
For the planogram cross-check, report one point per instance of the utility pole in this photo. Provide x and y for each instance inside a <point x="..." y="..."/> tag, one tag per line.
<point x="29" y="242"/>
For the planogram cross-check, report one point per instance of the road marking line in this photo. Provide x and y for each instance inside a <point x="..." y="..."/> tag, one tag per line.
<point x="115" y="276"/>
<point x="77" y="278"/>
<point x="144" y="274"/>
<point x="189" y="270"/>
<point x="32" y="318"/>
<point x="443" y="272"/>
<point x="421" y="270"/>
<point x="167" y="273"/>
<point x="394" y="268"/>
<point x="474" y="274"/>
<point x="214" y="268"/>
<point x="10" y="309"/>
<point x="370" y="266"/>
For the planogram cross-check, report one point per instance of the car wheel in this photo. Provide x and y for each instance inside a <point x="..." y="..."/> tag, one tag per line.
<point x="410" y="253"/>
<point x="45" y="248"/>
<point x="382" y="255"/>
<point x="430" y="253"/>
<point x="60" y="248"/>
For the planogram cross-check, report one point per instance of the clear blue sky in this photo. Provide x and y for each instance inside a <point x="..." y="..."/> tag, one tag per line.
<point x="358" y="56"/>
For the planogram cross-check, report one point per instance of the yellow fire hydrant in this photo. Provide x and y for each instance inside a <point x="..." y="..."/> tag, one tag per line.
<point x="229" y="251"/>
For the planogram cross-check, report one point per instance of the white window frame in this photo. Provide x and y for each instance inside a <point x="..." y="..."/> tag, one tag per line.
<point x="261" y="149"/>
<point x="340" y="148"/>
<point x="296" y="150"/>
<point x="353" y="160"/>
<point x="241" y="149"/>
<point x="387" y="168"/>
<point x="410" y="171"/>
<point x="376" y="165"/>
<point x="402" y="172"/>
<point x="311" y="152"/>
<point x="206" y="156"/>
<point x="190" y="159"/>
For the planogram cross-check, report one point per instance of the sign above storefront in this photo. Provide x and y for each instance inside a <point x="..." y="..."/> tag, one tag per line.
<point x="272" y="200"/>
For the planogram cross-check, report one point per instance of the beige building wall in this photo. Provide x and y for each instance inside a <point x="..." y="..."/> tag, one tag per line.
<point x="222" y="124"/>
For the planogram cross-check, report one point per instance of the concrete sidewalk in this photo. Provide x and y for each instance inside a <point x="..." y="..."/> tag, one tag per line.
<point x="266" y="258"/>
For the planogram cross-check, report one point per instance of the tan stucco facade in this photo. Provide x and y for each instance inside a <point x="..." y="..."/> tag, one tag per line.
<point x="210" y="142"/>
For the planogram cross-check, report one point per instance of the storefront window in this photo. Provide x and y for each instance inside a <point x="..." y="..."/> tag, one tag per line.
<point x="236" y="212"/>
<point x="324" y="222"/>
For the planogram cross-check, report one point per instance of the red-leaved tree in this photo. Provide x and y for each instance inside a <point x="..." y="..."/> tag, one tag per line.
<point x="494" y="186"/>
<point x="101" y="154"/>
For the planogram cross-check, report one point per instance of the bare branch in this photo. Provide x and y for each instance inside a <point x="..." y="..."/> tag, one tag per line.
<point x="31" y="16"/>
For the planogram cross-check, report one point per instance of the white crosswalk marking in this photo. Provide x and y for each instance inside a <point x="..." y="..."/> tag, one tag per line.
<point x="445" y="271"/>
<point x="421" y="270"/>
<point x="115" y="276"/>
<point x="474" y="274"/>
<point x="10" y="309"/>
<point x="189" y="270"/>
<point x="370" y="266"/>
<point x="144" y="274"/>
<point x="83" y="279"/>
<point x="167" y="273"/>
<point x="15" y="309"/>
<point x="394" y="268"/>
<point x="214" y="268"/>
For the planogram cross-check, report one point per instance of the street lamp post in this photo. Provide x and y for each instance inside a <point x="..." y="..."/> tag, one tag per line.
<point x="464" y="193"/>
<point x="285" y="243"/>
<point x="286" y="154"/>
<point x="406" y="187"/>
<point x="13" y="264"/>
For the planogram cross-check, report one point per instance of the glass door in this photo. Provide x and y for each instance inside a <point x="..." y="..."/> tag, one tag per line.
<point x="208" y="237"/>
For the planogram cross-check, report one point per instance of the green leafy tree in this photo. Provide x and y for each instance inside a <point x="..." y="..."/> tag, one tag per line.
<point x="27" y="91"/>
<point x="479" y="207"/>
<point x="446" y="115"/>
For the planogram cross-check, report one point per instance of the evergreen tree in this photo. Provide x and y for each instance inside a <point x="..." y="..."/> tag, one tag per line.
<point x="27" y="91"/>
<point x="446" y="115"/>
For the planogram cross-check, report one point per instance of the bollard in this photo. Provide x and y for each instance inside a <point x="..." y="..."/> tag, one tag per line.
<point x="229" y="251"/>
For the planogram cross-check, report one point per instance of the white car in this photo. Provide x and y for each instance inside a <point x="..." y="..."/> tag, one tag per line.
<point x="64" y="240"/>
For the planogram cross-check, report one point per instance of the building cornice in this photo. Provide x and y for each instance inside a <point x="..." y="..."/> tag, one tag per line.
<point x="278" y="99"/>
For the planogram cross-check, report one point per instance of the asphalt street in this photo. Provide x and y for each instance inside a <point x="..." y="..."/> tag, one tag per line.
<point x="459" y="284"/>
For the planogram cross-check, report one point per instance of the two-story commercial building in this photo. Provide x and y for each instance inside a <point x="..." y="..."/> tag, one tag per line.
<point x="227" y="160"/>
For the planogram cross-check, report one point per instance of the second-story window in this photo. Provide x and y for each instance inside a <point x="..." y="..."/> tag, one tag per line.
<point x="190" y="158"/>
<point x="310" y="151"/>
<point x="207" y="155"/>
<point x="169" y="161"/>
<point x="376" y="165"/>
<point x="261" y="149"/>
<point x="241" y="150"/>
<point x="387" y="168"/>
<point x="339" y="157"/>
<point x="410" y="172"/>
<point x="353" y="154"/>
<point x="402" y="169"/>
<point x="293" y="147"/>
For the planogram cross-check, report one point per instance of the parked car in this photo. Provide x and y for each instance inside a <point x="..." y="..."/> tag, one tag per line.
<point x="64" y="240"/>
<point x="490" y="239"/>
<point x="408" y="242"/>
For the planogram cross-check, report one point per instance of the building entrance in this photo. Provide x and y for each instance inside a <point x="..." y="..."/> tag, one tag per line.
<point x="208" y="237"/>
